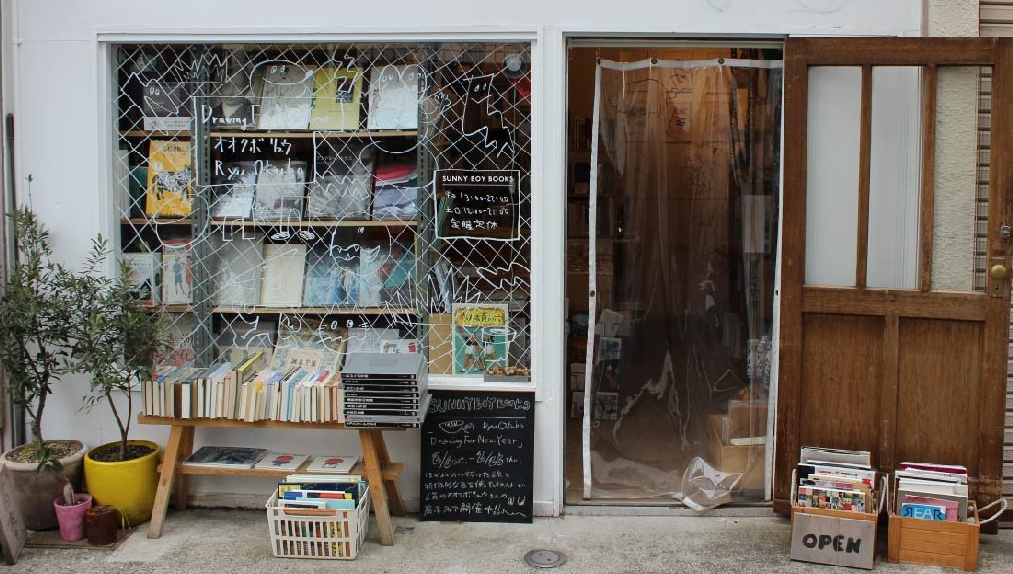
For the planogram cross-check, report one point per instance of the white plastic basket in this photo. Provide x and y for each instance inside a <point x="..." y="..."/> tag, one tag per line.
<point x="327" y="537"/>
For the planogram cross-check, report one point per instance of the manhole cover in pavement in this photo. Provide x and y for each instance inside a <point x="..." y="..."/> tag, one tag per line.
<point x="544" y="558"/>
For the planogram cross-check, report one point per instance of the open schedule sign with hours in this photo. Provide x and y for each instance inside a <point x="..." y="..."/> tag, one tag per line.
<point x="477" y="204"/>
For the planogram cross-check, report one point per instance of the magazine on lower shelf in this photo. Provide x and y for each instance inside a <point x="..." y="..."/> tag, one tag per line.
<point x="332" y="463"/>
<point x="225" y="456"/>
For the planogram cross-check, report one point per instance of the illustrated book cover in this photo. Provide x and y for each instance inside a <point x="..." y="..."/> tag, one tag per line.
<point x="393" y="98"/>
<point x="279" y="191"/>
<point x="167" y="106"/>
<point x="275" y="460"/>
<point x="331" y="276"/>
<point x="396" y="192"/>
<point x="177" y="272"/>
<point x="480" y="336"/>
<point x="337" y="95"/>
<point x="145" y="276"/>
<point x="332" y="463"/>
<point x="226" y="456"/>
<point x="284" y="265"/>
<point x="386" y="273"/>
<point x="286" y="95"/>
<point x="170" y="178"/>
<point x="233" y="186"/>
<point x="342" y="184"/>
<point x="238" y="267"/>
<point x="308" y="342"/>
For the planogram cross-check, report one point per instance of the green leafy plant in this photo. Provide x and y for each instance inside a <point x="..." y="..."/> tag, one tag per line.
<point x="114" y="339"/>
<point x="35" y="316"/>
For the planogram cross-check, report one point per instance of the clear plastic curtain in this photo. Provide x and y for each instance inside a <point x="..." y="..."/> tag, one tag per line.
<point x="683" y="220"/>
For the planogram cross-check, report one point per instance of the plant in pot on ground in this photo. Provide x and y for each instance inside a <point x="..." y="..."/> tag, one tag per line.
<point x="116" y="342"/>
<point x="35" y="316"/>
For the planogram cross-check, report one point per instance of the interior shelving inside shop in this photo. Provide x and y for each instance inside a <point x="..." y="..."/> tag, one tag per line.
<point x="310" y="201"/>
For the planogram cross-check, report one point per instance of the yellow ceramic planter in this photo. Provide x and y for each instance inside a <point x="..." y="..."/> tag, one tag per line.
<point x="128" y="486"/>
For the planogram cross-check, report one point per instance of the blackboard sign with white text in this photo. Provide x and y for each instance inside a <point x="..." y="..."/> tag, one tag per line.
<point x="477" y="204"/>
<point x="477" y="456"/>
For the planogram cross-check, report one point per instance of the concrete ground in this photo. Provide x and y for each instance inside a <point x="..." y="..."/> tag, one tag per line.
<point x="202" y="541"/>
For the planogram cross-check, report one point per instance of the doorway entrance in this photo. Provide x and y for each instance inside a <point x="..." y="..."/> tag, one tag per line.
<point x="672" y="217"/>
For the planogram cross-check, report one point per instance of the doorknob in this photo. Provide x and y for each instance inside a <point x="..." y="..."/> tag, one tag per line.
<point x="997" y="277"/>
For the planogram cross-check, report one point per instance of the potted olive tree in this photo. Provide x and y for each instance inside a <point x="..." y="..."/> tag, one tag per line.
<point x="115" y="341"/>
<point x="35" y="311"/>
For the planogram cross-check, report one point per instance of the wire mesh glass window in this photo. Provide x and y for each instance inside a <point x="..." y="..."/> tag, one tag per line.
<point x="310" y="201"/>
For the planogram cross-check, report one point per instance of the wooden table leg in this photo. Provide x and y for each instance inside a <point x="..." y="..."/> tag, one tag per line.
<point x="172" y="449"/>
<point x="374" y="474"/>
<point x="394" y="500"/>
<point x="183" y="481"/>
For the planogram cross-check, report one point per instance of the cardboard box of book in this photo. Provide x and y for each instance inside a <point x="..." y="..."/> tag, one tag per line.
<point x="747" y="458"/>
<point x="834" y="516"/>
<point x="932" y="520"/>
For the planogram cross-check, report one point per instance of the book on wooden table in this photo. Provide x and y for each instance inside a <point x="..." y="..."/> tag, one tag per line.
<point x="279" y="460"/>
<point x="225" y="456"/>
<point x="332" y="463"/>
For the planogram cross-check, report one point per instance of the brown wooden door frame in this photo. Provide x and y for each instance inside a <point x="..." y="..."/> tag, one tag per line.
<point x="891" y="309"/>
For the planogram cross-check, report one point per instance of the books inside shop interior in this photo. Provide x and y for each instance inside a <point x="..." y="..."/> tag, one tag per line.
<point x="286" y="99"/>
<point x="177" y="272"/>
<point x="278" y="194"/>
<point x="170" y="178"/>
<point x="479" y="336"/>
<point x="342" y="185"/>
<point x="393" y="98"/>
<point x="234" y="185"/>
<point x="284" y="266"/>
<point x="337" y="94"/>
<point x="238" y="267"/>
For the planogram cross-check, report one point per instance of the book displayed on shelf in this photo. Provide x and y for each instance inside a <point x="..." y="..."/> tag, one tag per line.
<point x="284" y="265"/>
<point x="274" y="460"/>
<point x="369" y="340"/>
<point x="386" y="273"/>
<point x="331" y="276"/>
<point x="337" y="95"/>
<point x="182" y="331"/>
<point x="332" y="463"/>
<point x="238" y="267"/>
<point x="279" y="191"/>
<point x="230" y="106"/>
<point x="177" y="272"/>
<point x="393" y="98"/>
<point x="309" y="342"/>
<point x="480" y="336"/>
<point x="396" y="192"/>
<point x="144" y="272"/>
<point x="225" y="456"/>
<point x="342" y="184"/>
<point x="286" y="95"/>
<point x="170" y="178"/>
<point x="167" y="106"/>
<point x="233" y="186"/>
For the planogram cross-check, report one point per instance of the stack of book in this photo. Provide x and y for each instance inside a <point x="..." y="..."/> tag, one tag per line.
<point x="385" y="390"/>
<point x="836" y="479"/>
<point x="320" y="494"/>
<point x="931" y="491"/>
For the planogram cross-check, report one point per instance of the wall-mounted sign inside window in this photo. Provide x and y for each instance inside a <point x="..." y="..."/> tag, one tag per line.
<point x="477" y="204"/>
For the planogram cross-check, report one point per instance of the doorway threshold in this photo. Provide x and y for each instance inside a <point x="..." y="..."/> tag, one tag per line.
<point x="644" y="508"/>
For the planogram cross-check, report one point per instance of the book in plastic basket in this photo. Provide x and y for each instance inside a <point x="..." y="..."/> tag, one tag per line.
<point x="317" y="532"/>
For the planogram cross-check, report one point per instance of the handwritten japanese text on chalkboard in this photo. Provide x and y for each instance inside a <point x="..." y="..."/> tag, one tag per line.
<point x="477" y="456"/>
<point x="477" y="204"/>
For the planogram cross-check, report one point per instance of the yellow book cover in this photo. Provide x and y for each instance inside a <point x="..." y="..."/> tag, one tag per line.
<point x="170" y="179"/>
<point x="336" y="99"/>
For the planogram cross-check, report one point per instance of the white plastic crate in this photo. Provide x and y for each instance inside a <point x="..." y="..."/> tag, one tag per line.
<point x="336" y="537"/>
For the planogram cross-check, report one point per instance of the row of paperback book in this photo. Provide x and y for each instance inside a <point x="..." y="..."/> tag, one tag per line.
<point x="845" y="480"/>
<point x="320" y="494"/>
<point x="247" y="271"/>
<point x="345" y="185"/>
<point x="240" y="392"/>
<point x="286" y="95"/>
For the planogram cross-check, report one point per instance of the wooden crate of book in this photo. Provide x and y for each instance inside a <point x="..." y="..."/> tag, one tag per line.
<point x="324" y="534"/>
<point x="934" y="542"/>
<point x="747" y="459"/>
<point x="839" y="532"/>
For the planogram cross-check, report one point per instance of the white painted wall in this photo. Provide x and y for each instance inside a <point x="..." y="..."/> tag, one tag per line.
<point x="63" y="140"/>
